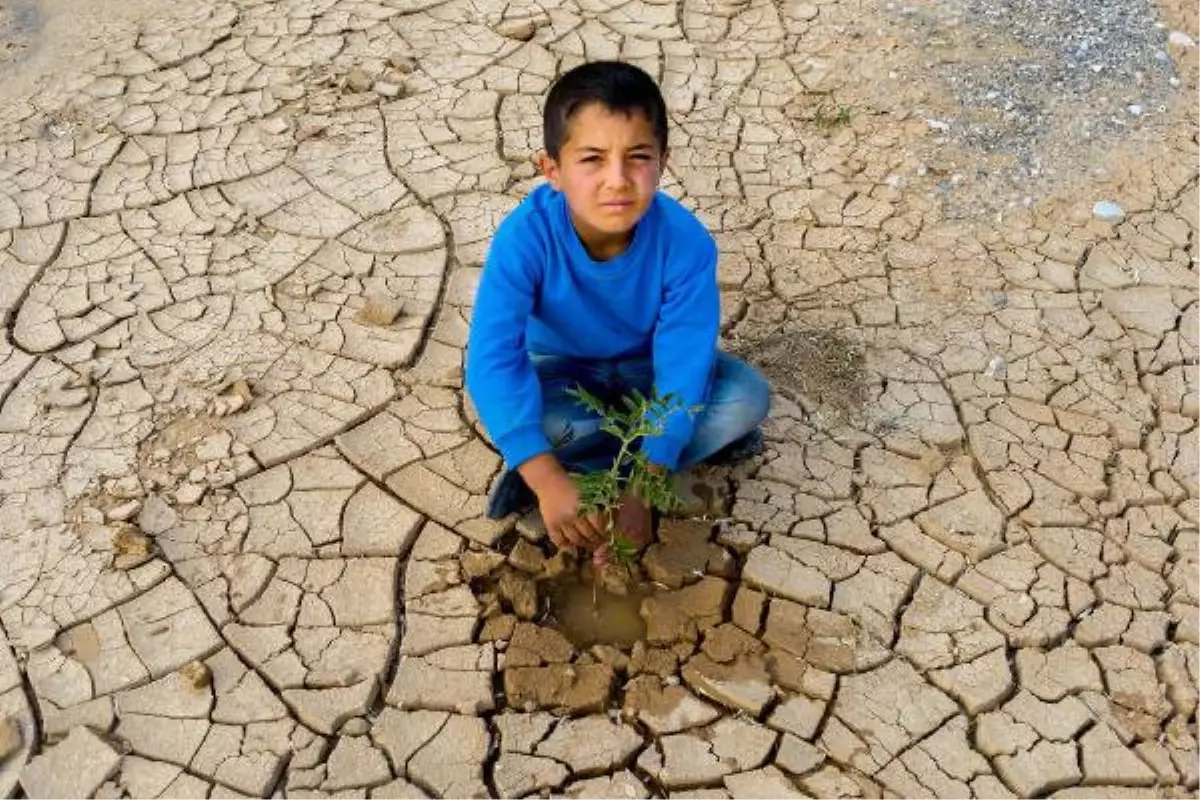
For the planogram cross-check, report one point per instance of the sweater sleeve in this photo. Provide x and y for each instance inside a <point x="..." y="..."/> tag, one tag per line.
<point x="500" y="377"/>
<point x="684" y="349"/>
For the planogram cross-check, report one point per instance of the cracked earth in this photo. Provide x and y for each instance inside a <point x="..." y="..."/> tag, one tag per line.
<point x="242" y="542"/>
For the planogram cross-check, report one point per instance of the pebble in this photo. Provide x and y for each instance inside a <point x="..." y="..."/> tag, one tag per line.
<point x="357" y="80"/>
<point x="156" y="516"/>
<point x="403" y="63"/>
<point x="124" y="511"/>
<point x="197" y="673"/>
<point x="997" y="367"/>
<point x="222" y="477"/>
<point x="1134" y="109"/>
<point x="1108" y="211"/>
<point x="188" y="494"/>
<point x="386" y="89"/>
<point x="520" y="29"/>
<point x="1180" y="39"/>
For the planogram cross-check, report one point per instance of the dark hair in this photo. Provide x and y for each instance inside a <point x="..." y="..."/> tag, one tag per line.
<point x="616" y="85"/>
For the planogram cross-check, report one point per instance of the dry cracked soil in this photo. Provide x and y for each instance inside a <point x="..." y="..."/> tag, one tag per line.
<point x="242" y="542"/>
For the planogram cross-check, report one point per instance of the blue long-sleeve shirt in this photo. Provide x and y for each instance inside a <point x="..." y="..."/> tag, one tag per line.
<point x="541" y="292"/>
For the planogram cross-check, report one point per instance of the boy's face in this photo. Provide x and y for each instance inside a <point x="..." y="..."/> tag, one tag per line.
<point x="608" y="168"/>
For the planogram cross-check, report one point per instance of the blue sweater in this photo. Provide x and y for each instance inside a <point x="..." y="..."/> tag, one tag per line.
<point x="542" y="293"/>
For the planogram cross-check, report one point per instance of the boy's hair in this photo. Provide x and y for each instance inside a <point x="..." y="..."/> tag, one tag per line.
<point x="615" y="84"/>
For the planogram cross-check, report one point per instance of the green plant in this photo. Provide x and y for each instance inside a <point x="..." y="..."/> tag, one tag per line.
<point x="631" y="472"/>
<point x="827" y="118"/>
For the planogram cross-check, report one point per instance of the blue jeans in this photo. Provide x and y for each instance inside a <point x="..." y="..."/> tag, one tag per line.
<point x="738" y="399"/>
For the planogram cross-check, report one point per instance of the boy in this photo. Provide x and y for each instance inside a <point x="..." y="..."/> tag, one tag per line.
<point x="599" y="280"/>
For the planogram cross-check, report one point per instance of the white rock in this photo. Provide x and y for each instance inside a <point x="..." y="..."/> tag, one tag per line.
<point x="124" y="511"/>
<point x="387" y="89"/>
<point x="156" y="516"/>
<point x="1108" y="211"/>
<point x="189" y="494"/>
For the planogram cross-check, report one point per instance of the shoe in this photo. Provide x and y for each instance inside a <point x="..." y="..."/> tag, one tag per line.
<point x="510" y="495"/>
<point x="738" y="450"/>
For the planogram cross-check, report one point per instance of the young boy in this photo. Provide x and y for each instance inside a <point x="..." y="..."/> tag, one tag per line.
<point x="599" y="280"/>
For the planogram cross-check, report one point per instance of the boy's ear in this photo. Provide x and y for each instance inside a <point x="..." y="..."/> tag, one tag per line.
<point x="548" y="167"/>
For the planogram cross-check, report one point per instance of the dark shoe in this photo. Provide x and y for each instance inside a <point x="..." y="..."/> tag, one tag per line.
<point x="738" y="450"/>
<point x="510" y="495"/>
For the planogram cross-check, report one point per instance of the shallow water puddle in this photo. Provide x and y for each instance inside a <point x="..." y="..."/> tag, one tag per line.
<point x="613" y="619"/>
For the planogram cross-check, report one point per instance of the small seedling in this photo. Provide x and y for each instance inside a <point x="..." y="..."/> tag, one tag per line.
<point x="827" y="118"/>
<point x="631" y="472"/>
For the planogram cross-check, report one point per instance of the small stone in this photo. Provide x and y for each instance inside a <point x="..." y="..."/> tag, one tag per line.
<point x="402" y="64"/>
<point x="189" y="494"/>
<point x="131" y="543"/>
<point x="527" y="558"/>
<point x="124" y="511"/>
<point x="1180" y="39"/>
<point x="155" y="516"/>
<point x="357" y="80"/>
<point x="521" y="593"/>
<point x="10" y="737"/>
<point x="520" y="29"/>
<point x="1134" y="109"/>
<point x="498" y="628"/>
<point x="196" y="673"/>
<point x="477" y="564"/>
<point x="387" y="89"/>
<point x="562" y="561"/>
<point x="1108" y="211"/>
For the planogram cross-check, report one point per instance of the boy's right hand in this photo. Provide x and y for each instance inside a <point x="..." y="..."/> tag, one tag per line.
<point x="558" y="500"/>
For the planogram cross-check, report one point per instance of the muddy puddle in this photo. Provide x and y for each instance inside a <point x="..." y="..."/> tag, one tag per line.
<point x="587" y="615"/>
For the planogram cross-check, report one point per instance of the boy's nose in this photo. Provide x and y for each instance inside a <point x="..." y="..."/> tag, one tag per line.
<point x="618" y="174"/>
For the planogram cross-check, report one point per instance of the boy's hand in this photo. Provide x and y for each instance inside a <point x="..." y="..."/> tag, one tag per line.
<point x="558" y="500"/>
<point x="634" y="522"/>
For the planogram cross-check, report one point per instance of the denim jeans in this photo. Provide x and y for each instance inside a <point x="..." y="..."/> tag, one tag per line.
<point x="738" y="399"/>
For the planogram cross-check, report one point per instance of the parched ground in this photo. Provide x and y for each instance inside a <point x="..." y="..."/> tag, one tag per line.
<point x="242" y="547"/>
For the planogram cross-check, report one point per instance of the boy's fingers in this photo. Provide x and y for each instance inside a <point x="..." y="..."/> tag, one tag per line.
<point x="592" y="527"/>
<point x="571" y="533"/>
<point x="556" y="536"/>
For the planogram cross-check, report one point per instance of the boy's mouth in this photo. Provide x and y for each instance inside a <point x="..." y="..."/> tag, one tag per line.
<point x="617" y="205"/>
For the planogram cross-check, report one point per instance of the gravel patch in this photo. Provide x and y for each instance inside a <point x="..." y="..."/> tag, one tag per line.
<point x="19" y="22"/>
<point x="1035" y="90"/>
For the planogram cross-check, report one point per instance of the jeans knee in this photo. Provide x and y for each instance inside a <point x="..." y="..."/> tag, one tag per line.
<point x="562" y="428"/>
<point x="751" y="398"/>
